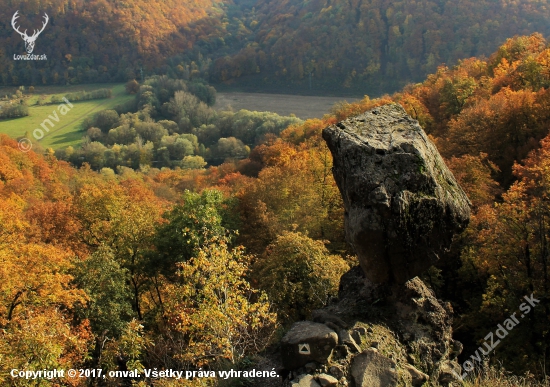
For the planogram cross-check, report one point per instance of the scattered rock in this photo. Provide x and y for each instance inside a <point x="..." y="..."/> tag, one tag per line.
<point x="403" y="205"/>
<point x="449" y="372"/>
<point x="345" y="338"/>
<point x="310" y="367"/>
<point x="336" y="371"/>
<point x="356" y="336"/>
<point x="371" y="369"/>
<point x="341" y="352"/>
<point x="327" y="381"/>
<point x="306" y="342"/>
<point x="418" y="377"/>
<point x="305" y="381"/>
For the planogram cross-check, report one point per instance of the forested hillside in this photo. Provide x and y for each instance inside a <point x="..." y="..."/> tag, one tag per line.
<point x="101" y="40"/>
<point x="338" y="46"/>
<point x="374" y="46"/>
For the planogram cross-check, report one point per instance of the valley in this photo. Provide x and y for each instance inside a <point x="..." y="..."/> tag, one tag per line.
<point x="303" y="107"/>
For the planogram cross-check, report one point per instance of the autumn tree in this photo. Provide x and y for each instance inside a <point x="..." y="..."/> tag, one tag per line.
<point x="508" y="248"/>
<point x="215" y="316"/>
<point x="299" y="275"/>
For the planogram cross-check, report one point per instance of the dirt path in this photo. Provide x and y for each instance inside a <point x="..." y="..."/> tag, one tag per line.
<point x="303" y="107"/>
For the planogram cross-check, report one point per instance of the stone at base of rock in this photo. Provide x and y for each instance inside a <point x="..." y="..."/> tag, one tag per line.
<point x="327" y="381"/>
<point x="357" y="336"/>
<point x="305" y="381"/>
<point x="307" y="342"/>
<point x="449" y="372"/>
<point x="418" y="377"/>
<point x="310" y="367"/>
<point x="344" y="337"/>
<point x="336" y="371"/>
<point x="371" y="369"/>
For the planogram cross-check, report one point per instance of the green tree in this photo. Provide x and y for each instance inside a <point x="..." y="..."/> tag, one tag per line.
<point x="109" y="305"/>
<point x="188" y="227"/>
<point x="299" y="275"/>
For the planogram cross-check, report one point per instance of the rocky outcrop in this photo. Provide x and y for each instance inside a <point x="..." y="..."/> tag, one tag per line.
<point x="403" y="208"/>
<point x="404" y="339"/>
<point x="403" y="205"/>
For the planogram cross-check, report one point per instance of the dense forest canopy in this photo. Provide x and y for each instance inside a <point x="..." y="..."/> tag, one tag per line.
<point x="316" y="46"/>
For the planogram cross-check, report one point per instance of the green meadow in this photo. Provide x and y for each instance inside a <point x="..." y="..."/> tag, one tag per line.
<point x="68" y="131"/>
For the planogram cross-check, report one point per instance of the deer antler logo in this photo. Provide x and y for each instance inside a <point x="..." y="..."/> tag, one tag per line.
<point x="29" y="40"/>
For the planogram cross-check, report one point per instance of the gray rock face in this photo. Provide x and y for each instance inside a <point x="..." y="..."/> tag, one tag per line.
<point x="371" y="369"/>
<point x="403" y="205"/>
<point x="306" y="342"/>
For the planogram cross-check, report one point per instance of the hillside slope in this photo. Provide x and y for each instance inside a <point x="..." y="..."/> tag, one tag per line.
<point x="100" y="40"/>
<point x="376" y="45"/>
<point x="314" y="46"/>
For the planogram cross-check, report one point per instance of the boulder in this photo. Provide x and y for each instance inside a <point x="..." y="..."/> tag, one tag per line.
<point x="357" y="336"/>
<point x="306" y="342"/>
<point x="305" y="381"/>
<point x="402" y="204"/>
<point x="450" y="372"/>
<point x="344" y="337"/>
<point x="371" y="369"/>
<point x="418" y="377"/>
<point x="327" y="380"/>
<point x="336" y="371"/>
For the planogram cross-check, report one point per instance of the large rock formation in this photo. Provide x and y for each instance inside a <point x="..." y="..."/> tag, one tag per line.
<point x="403" y="208"/>
<point x="403" y="205"/>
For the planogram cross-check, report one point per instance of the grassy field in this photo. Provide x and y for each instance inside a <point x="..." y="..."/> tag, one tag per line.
<point x="68" y="130"/>
<point x="301" y="106"/>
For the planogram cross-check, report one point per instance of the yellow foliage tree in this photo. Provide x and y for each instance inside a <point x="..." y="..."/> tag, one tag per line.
<point x="299" y="274"/>
<point x="213" y="312"/>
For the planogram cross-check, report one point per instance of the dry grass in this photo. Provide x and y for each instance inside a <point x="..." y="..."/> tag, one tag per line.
<point x="497" y="377"/>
